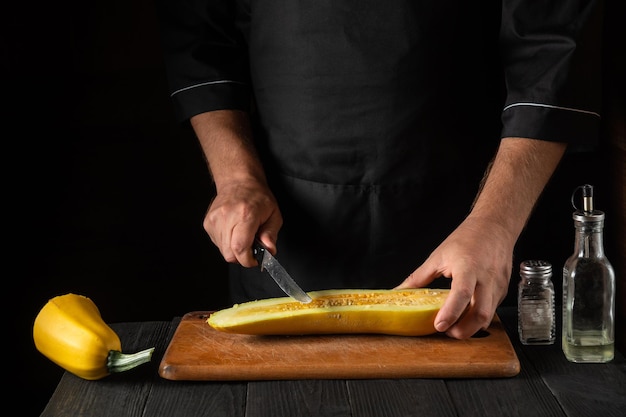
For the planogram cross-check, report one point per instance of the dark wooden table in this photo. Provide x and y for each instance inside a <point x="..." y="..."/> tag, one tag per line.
<point x="548" y="385"/>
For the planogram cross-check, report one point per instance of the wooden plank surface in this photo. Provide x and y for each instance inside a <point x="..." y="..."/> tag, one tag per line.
<point x="400" y="397"/>
<point x="197" y="352"/>
<point x="547" y="385"/>
<point x="582" y="389"/>
<point x="302" y="398"/>
<point x="196" y="399"/>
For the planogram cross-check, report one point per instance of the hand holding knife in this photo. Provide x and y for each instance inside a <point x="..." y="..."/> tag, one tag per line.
<point x="277" y="272"/>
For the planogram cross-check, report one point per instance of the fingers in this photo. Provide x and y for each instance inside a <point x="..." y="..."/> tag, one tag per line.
<point x="241" y="241"/>
<point x="469" y="308"/>
<point x="475" y="291"/>
<point x="455" y="305"/>
<point x="234" y="220"/>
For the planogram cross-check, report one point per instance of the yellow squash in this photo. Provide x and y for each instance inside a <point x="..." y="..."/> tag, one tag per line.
<point x="407" y="312"/>
<point x="70" y="331"/>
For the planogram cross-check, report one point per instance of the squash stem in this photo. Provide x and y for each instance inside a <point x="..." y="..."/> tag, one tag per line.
<point x="120" y="362"/>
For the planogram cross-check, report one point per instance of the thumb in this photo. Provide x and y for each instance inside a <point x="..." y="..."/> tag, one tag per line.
<point x="268" y="231"/>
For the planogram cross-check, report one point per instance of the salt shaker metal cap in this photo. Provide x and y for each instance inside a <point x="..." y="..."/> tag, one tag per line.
<point x="536" y="269"/>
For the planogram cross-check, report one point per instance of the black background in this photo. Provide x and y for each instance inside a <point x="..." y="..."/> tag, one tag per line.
<point x="107" y="193"/>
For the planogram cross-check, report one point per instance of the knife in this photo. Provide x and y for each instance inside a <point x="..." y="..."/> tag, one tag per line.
<point x="278" y="273"/>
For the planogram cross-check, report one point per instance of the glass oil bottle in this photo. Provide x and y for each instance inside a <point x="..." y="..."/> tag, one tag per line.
<point x="588" y="332"/>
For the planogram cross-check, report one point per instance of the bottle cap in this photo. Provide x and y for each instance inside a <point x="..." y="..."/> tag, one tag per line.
<point x="587" y="213"/>
<point x="536" y="269"/>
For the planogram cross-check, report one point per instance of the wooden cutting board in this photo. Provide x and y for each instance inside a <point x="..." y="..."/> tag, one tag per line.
<point x="197" y="352"/>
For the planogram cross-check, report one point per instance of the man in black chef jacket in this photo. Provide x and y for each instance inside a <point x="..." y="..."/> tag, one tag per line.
<point x="356" y="138"/>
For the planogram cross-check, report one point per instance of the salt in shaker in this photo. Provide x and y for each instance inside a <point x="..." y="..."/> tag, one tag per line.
<point x="535" y="303"/>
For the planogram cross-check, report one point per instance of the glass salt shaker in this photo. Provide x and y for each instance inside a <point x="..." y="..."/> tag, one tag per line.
<point x="535" y="304"/>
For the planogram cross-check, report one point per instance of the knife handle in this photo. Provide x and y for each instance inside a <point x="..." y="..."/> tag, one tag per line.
<point x="258" y="249"/>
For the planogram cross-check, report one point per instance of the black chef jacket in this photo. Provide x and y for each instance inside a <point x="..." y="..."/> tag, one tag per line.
<point x="375" y="120"/>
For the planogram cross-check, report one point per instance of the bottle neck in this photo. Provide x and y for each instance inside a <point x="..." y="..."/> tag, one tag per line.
<point x="588" y="243"/>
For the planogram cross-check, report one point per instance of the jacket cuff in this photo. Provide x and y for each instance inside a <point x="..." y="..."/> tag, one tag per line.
<point x="209" y="96"/>
<point x="577" y="127"/>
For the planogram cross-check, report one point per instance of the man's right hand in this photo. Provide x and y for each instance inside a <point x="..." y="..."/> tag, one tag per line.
<point x="244" y="206"/>
<point x="239" y="212"/>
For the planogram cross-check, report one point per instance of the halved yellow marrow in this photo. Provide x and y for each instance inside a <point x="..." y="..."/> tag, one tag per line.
<point x="406" y="312"/>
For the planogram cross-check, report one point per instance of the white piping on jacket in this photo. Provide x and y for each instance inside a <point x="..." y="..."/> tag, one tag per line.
<point x="550" y="106"/>
<point x="203" y="84"/>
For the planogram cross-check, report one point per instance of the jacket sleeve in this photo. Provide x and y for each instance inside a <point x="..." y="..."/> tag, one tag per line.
<point x="205" y="54"/>
<point x="551" y="55"/>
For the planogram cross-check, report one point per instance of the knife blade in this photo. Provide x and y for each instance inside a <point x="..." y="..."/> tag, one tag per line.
<point x="278" y="273"/>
